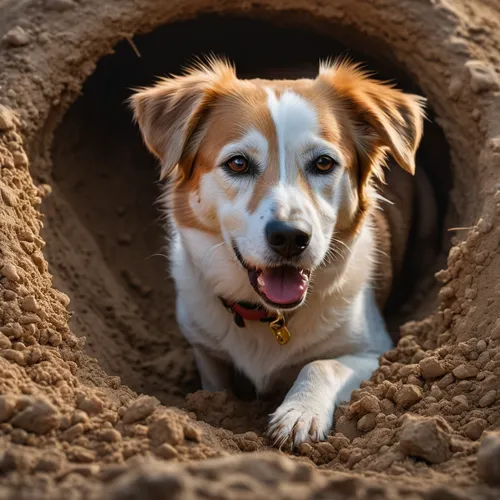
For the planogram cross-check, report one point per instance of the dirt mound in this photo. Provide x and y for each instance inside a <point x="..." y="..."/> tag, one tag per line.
<point x="86" y="318"/>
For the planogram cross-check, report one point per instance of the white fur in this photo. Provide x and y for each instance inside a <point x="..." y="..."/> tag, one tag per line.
<point x="337" y="336"/>
<point x="295" y="121"/>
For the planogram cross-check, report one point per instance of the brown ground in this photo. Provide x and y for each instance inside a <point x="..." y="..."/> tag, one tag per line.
<point x="423" y="427"/>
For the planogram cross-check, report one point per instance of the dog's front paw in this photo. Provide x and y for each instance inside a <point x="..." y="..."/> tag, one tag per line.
<point x="299" y="422"/>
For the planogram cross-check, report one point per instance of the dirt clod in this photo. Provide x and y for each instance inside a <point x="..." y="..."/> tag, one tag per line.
<point x="474" y="429"/>
<point x="166" y="429"/>
<point x="7" y="406"/>
<point x="408" y="395"/>
<point x="431" y="367"/>
<point x="5" y="343"/>
<point x="39" y="417"/>
<point x="29" y="304"/>
<point x="465" y="371"/>
<point x="6" y="118"/>
<point x="192" y="433"/>
<point x="14" y="356"/>
<point x="367" y="422"/>
<point x="10" y="272"/>
<point x="482" y="77"/>
<point x="16" y="37"/>
<point x="166" y="451"/>
<point x="488" y="399"/>
<point x="90" y="405"/>
<point x="427" y="438"/>
<point x="141" y="408"/>
<point x="488" y="458"/>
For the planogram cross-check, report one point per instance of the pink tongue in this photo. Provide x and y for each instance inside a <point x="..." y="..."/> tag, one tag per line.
<point x="283" y="285"/>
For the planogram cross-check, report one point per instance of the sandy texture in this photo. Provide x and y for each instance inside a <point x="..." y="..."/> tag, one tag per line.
<point x="72" y="422"/>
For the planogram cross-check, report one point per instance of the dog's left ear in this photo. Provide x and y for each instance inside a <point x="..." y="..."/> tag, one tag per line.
<point x="385" y="118"/>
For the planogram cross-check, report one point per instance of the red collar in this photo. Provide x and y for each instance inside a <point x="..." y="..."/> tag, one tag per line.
<point x="255" y="312"/>
<point x="248" y="311"/>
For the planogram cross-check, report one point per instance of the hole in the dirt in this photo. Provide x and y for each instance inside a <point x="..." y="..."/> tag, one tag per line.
<point x="104" y="234"/>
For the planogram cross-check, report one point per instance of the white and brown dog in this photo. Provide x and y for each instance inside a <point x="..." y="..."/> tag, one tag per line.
<point x="276" y="236"/>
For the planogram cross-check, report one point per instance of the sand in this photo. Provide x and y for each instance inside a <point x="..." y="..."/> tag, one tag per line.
<point x="98" y="391"/>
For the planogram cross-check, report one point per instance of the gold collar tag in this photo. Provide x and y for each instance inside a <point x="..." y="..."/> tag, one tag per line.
<point x="279" y="330"/>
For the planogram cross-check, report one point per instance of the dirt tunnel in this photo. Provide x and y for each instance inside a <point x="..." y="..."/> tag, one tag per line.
<point x="126" y="304"/>
<point x="105" y="245"/>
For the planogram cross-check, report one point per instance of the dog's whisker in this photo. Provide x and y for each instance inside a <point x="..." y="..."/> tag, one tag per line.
<point x="158" y="255"/>
<point x="340" y="242"/>
<point x="210" y="253"/>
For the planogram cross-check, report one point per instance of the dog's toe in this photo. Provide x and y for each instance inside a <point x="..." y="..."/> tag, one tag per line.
<point x="298" y="424"/>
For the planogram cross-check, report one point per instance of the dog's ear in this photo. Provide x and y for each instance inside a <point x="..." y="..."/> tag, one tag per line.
<point x="171" y="112"/>
<point x="386" y="119"/>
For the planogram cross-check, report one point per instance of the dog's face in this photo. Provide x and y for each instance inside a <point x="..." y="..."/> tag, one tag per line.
<point x="279" y="170"/>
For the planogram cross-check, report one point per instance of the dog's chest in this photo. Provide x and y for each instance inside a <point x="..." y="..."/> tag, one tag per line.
<point x="324" y="328"/>
<point x="254" y="350"/>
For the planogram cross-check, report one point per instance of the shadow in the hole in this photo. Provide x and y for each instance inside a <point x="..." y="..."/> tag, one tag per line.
<point x="105" y="187"/>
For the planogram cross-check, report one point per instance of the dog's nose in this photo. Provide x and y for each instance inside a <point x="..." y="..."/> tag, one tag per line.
<point x="288" y="239"/>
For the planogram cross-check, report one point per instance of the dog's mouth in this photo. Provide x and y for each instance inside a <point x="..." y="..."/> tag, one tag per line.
<point x="282" y="287"/>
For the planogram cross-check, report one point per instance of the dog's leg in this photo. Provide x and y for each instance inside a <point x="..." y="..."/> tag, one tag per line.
<point x="214" y="372"/>
<point x="307" y="412"/>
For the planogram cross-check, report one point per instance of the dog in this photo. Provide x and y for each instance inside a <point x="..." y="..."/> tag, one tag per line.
<point x="273" y="198"/>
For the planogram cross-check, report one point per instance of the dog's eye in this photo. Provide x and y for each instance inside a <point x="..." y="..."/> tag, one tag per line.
<point x="324" y="164"/>
<point x="238" y="164"/>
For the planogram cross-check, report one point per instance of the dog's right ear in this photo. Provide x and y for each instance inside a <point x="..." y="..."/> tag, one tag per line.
<point x="385" y="118"/>
<point x="170" y="112"/>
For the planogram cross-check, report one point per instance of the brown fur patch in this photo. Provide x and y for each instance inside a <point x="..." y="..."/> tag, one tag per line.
<point x="242" y="108"/>
<point x="375" y="118"/>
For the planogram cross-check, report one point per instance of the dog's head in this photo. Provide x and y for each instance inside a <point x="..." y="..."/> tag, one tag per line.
<point x="279" y="171"/>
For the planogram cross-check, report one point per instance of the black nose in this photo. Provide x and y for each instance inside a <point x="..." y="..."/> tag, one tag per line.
<point x="288" y="239"/>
